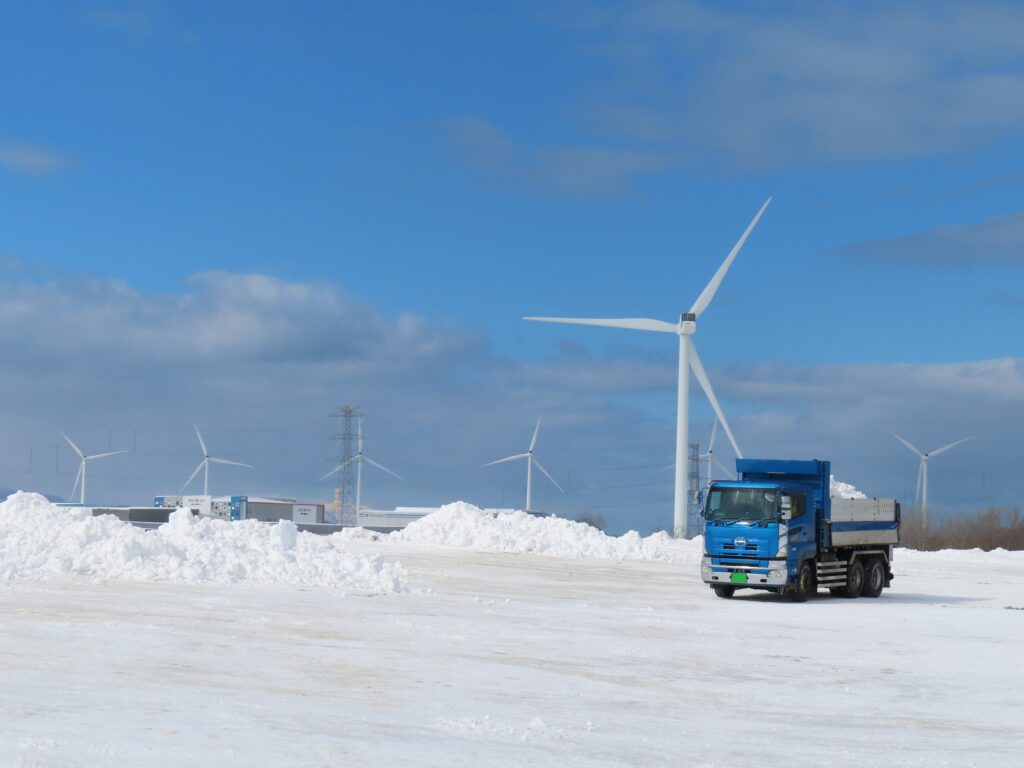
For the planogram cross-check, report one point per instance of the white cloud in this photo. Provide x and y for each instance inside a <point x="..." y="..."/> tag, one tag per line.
<point x="562" y="170"/>
<point x="727" y="86"/>
<point x="997" y="241"/>
<point x="30" y="160"/>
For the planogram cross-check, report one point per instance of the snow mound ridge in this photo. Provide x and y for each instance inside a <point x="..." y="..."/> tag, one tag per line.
<point x="39" y="540"/>
<point x="844" y="490"/>
<point x="464" y="525"/>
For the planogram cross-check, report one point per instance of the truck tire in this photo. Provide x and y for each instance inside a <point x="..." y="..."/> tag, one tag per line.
<point x="854" y="579"/>
<point x="874" y="577"/>
<point x="804" y="586"/>
<point x="724" y="590"/>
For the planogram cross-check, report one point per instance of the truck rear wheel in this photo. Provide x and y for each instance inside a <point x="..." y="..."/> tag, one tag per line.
<point x="804" y="586"/>
<point x="854" y="579"/>
<point x="874" y="578"/>
<point x="724" y="590"/>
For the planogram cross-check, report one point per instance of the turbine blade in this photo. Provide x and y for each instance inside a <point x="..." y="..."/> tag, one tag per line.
<point x="78" y="477"/>
<point x="721" y="466"/>
<point x="907" y="444"/>
<point x="711" y="442"/>
<point x="202" y="443"/>
<point x="709" y="291"/>
<point x="348" y="461"/>
<point x="702" y="377"/>
<point x="72" y="444"/>
<point x="368" y="460"/>
<point x="232" y="463"/>
<point x="102" y="455"/>
<point x="945" y="448"/>
<point x="536" y="430"/>
<point x="336" y="469"/>
<point x="541" y="468"/>
<point x="507" y="458"/>
<point x="632" y="323"/>
<point x="193" y="475"/>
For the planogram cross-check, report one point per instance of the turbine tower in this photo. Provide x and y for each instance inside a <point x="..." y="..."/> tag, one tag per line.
<point x="205" y="465"/>
<point x="688" y="358"/>
<point x="921" y="495"/>
<point x="531" y="461"/>
<point x="359" y="459"/>
<point x="80" y="477"/>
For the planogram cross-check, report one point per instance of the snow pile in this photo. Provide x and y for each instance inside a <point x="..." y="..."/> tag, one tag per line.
<point x="39" y="540"/>
<point x="844" y="490"/>
<point x="464" y="525"/>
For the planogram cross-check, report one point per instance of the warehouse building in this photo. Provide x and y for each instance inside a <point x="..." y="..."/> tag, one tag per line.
<point x="262" y="508"/>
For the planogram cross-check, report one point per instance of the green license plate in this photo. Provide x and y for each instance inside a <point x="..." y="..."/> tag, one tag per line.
<point x="738" y="578"/>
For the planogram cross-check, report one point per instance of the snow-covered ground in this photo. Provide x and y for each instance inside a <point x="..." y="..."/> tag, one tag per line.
<point x="594" y="652"/>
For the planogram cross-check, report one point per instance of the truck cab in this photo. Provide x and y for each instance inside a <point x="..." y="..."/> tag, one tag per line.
<point x="774" y="529"/>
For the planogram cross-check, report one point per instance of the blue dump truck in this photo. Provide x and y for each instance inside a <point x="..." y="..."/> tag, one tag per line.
<point x="777" y="528"/>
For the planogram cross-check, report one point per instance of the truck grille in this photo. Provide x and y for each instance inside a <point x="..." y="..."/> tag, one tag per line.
<point x="752" y="547"/>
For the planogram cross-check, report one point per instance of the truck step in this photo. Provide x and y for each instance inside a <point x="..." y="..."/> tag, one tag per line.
<point x="832" y="574"/>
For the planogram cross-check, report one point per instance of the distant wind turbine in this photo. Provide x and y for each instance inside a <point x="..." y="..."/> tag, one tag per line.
<point x="709" y="456"/>
<point x="359" y="459"/>
<point x="688" y="358"/>
<point x="80" y="477"/>
<point x="921" y="496"/>
<point x="205" y="465"/>
<point x="531" y="461"/>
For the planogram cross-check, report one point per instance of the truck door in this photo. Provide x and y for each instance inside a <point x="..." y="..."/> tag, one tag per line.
<point x="801" y="528"/>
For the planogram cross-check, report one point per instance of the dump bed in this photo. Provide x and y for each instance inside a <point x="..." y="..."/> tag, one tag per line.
<point x="861" y="522"/>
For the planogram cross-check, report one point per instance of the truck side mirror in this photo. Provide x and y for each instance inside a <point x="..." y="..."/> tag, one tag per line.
<point x="787" y="508"/>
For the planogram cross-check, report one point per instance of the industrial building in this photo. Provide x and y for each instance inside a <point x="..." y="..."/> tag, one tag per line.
<point x="247" y="508"/>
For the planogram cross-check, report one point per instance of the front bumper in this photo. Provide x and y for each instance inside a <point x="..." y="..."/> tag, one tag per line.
<point x="770" y="573"/>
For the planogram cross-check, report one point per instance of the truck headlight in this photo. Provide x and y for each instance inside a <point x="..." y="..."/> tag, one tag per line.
<point x="776" y="573"/>
<point x="705" y="565"/>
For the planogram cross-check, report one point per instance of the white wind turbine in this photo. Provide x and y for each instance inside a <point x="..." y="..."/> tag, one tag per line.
<point x="359" y="459"/>
<point x="80" y="477"/>
<point x="205" y="465"/>
<point x="688" y="358"/>
<point x="531" y="461"/>
<point x="921" y="495"/>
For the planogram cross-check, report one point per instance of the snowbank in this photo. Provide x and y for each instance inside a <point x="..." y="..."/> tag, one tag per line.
<point x="844" y="490"/>
<point x="464" y="525"/>
<point x="39" y="540"/>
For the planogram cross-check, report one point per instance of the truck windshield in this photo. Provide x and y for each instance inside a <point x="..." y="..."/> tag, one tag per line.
<point x="742" y="504"/>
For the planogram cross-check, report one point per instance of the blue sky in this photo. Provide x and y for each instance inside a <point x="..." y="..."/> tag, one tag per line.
<point x="295" y="192"/>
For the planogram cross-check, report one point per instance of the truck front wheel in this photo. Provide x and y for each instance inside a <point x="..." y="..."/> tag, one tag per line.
<point x="724" y="590"/>
<point x="855" y="579"/>
<point x="804" y="586"/>
<point x="874" y="578"/>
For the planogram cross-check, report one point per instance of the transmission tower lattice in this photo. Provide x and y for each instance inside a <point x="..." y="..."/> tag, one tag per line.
<point x="345" y="436"/>
<point x="693" y="518"/>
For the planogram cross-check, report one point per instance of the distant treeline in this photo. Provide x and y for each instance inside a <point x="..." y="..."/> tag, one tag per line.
<point x="992" y="529"/>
